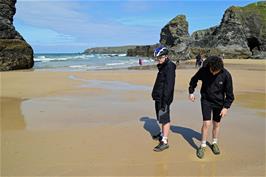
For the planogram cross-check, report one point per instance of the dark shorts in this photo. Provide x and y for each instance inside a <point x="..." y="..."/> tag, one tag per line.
<point x="166" y="118"/>
<point x="208" y="109"/>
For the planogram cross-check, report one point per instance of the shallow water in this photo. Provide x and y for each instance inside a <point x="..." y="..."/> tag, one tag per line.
<point x="110" y="85"/>
<point x="110" y="135"/>
<point x="87" y="131"/>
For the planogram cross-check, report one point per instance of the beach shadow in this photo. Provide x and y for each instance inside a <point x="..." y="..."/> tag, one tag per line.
<point x="188" y="134"/>
<point x="150" y="125"/>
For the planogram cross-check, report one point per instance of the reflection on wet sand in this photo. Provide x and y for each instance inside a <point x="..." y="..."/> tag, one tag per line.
<point x="105" y="128"/>
<point x="11" y="116"/>
<point x="253" y="100"/>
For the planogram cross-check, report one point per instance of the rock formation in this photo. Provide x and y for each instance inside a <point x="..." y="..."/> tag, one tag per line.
<point x="109" y="50"/>
<point x="175" y="32"/>
<point x="145" y="50"/>
<point x="175" y="35"/>
<point x="15" y="52"/>
<point x="241" y="34"/>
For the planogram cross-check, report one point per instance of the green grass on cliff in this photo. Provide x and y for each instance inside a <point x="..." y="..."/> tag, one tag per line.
<point x="257" y="8"/>
<point x="254" y="8"/>
<point x="109" y="50"/>
<point x="260" y="9"/>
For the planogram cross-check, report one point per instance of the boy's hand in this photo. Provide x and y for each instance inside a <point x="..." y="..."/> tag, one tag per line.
<point x="223" y="112"/>
<point x="192" y="97"/>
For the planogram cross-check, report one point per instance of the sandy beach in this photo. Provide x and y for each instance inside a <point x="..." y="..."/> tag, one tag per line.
<point x="99" y="123"/>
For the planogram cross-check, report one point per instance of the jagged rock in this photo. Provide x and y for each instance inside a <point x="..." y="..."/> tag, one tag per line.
<point x="202" y="34"/>
<point x="175" y="36"/>
<point x="175" y="32"/>
<point x="15" y="52"/>
<point x="241" y="32"/>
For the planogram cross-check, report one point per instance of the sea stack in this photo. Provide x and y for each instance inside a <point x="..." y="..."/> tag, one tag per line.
<point x="240" y="34"/>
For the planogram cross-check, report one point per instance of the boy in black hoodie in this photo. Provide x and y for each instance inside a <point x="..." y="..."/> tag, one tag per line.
<point x="216" y="98"/>
<point x="162" y="94"/>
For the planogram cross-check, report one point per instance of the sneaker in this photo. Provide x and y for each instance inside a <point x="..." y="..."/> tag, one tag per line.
<point x="200" y="152"/>
<point x="215" y="149"/>
<point x="161" y="146"/>
<point x="157" y="137"/>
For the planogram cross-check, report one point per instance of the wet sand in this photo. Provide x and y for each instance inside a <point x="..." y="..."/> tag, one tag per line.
<point x="100" y="123"/>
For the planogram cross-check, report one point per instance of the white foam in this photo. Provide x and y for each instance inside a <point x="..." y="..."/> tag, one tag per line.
<point x="114" y="64"/>
<point x="41" y="57"/>
<point x="78" y="66"/>
<point x="87" y="61"/>
<point x="46" y="59"/>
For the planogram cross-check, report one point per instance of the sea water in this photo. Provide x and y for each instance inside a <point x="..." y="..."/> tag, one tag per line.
<point x="85" y="62"/>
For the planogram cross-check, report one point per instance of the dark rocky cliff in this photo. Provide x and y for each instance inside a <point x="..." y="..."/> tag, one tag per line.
<point x="241" y="34"/>
<point x="145" y="50"/>
<point x="15" y="52"/>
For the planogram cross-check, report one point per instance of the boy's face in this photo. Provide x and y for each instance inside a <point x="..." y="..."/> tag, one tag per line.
<point x="161" y="59"/>
<point x="214" y="72"/>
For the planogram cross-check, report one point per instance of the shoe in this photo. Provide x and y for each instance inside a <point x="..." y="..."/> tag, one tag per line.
<point x="215" y="149"/>
<point x="161" y="146"/>
<point x="200" y="152"/>
<point x="157" y="137"/>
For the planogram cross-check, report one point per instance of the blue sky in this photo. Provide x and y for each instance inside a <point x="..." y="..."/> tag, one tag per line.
<point x="67" y="26"/>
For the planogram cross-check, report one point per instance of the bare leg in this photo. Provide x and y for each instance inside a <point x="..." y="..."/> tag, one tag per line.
<point x="166" y="129"/>
<point x="204" y="130"/>
<point x="215" y="130"/>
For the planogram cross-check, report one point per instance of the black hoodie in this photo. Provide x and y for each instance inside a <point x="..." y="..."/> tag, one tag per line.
<point x="163" y="89"/>
<point x="216" y="89"/>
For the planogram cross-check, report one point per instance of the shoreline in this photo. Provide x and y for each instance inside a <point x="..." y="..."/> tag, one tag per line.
<point x="249" y="64"/>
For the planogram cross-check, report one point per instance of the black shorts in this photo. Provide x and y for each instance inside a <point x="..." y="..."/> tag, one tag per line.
<point x="207" y="108"/>
<point x="166" y="118"/>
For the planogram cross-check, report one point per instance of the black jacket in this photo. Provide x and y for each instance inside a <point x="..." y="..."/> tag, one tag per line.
<point x="163" y="89"/>
<point x="216" y="89"/>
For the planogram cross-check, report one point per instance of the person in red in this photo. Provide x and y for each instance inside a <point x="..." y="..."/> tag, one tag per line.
<point x="140" y="62"/>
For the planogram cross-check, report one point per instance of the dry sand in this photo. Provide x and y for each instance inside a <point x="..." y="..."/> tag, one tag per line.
<point x="99" y="123"/>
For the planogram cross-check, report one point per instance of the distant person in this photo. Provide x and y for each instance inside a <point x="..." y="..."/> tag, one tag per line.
<point x="140" y="62"/>
<point x="216" y="98"/>
<point x="199" y="61"/>
<point x="163" y="94"/>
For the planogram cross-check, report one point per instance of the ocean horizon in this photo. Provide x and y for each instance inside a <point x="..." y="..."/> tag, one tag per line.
<point x="85" y="62"/>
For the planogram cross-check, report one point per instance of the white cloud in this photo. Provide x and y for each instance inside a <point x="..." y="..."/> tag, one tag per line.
<point x="70" y="21"/>
<point x="47" y="14"/>
<point x="43" y="35"/>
